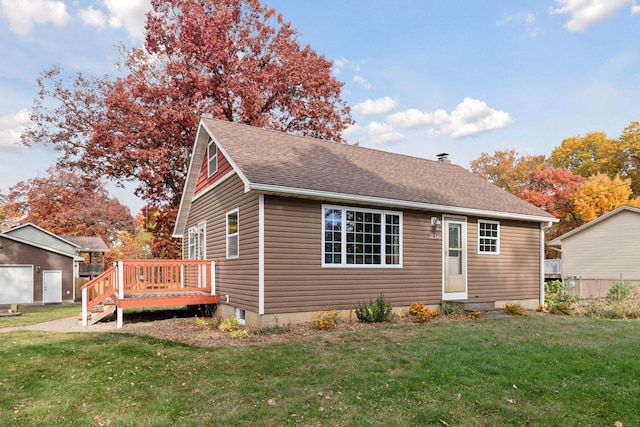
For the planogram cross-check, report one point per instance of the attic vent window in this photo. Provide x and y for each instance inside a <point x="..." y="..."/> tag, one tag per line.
<point x="212" y="158"/>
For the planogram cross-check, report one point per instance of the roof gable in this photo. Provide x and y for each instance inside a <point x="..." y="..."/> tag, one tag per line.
<point x="275" y="162"/>
<point x="40" y="246"/>
<point x="624" y="208"/>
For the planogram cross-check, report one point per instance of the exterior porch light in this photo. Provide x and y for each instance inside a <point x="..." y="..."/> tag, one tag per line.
<point x="436" y="224"/>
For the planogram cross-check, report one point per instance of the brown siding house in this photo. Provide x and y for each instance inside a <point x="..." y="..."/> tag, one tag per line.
<point x="297" y="224"/>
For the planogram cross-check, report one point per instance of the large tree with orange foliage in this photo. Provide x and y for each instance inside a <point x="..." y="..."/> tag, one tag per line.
<point x="67" y="203"/>
<point x="232" y="59"/>
<point x="552" y="189"/>
<point x="506" y="168"/>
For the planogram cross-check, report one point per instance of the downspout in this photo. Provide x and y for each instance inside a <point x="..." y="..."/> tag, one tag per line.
<point x="542" y="230"/>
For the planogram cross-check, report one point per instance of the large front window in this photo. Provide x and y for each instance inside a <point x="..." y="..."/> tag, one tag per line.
<point x="361" y="237"/>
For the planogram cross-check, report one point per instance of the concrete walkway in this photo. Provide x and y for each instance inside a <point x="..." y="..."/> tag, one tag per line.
<point x="69" y="324"/>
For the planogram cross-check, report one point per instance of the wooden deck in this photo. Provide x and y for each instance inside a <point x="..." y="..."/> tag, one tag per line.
<point x="150" y="283"/>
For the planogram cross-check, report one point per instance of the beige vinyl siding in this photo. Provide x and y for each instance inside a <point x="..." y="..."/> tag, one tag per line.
<point x="604" y="250"/>
<point x="514" y="273"/>
<point x="295" y="280"/>
<point x="237" y="277"/>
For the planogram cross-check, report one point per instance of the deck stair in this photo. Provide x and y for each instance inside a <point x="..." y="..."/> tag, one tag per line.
<point x="98" y="312"/>
<point x="485" y="306"/>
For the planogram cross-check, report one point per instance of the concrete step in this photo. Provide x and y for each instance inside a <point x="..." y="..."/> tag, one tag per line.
<point x="474" y="304"/>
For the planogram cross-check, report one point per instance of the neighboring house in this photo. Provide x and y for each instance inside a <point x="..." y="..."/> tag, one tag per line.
<point x="94" y="248"/>
<point x="600" y="252"/>
<point x="297" y="224"/>
<point x="31" y="272"/>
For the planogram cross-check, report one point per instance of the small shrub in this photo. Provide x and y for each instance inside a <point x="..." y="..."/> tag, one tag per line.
<point x="515" y="310"/>
<point x="540" y="308"/>
<point x="201" y="323"/>
<point x="272" y="330"/>
<point x="553" y="292"/>
<point x="238" y="334"/>
<point x="474" y="315"/>
<point x="325" y="320"/>
<point x="620" y="291"/>
<point x="419" y="313"/>
<point x="379" y="310"/>
<point x="229" y="325"/>
<point x="563" y="307"/>
<point x="450" y="309"/>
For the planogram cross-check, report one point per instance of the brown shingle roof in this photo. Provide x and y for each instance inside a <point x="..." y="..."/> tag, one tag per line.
<point x="284" y="161"/>
<point x="275" y="162"/>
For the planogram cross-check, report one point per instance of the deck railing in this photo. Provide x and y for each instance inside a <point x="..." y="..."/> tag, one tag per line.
<point x="147" y="277"/>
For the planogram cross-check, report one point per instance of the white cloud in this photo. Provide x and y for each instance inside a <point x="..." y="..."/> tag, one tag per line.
<point x="93" y="17"/>
<point x="364" y="83"/>
<point x="523" y="19"/>
<point x="11" y="127"/>
<point x="382" y="133"/>
<point x="635" y="9"/>
<point x="378" y="106"/>
<point x="119" y="13"/>
<point x="471" y="117"/>
<point x="22" y="14"/>
<point x="586" y="12"/>
<point x="410" y="118"/>
<point x="343" y="63"/>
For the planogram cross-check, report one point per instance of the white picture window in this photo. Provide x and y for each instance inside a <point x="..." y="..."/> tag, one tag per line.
<point x="197" y="241"/>
<point x="212" y="158"/>
<point x="356" y="237"/>
<point x="233" y="234"/>
<point x="488" y="237"/>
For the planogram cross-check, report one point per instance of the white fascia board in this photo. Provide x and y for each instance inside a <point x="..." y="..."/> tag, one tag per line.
<point x="326" y="195"/>
<point x="45" y="248"/>
<point x="189" y="185"/>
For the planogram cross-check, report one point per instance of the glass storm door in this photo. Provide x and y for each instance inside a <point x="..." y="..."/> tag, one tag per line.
<point x="455" y="258"/>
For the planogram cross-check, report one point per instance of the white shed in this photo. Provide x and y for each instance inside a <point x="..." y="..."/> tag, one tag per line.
<point x="600" y="252"/>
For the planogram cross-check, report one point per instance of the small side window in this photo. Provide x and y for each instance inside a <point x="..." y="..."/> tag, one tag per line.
<point x="488" y="237"/>
<point x="233" y="234"/>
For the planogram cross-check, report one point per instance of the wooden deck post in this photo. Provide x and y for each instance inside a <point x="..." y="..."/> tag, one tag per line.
<point x="213" y="278"/>
<point x="85" y="302"/>
<point x="120" y="287"/>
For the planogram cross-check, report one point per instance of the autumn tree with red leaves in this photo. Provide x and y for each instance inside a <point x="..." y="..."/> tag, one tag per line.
<point x="66" y="203"/>
<point x="235" y="60"/>
<point x="552" y="189"/>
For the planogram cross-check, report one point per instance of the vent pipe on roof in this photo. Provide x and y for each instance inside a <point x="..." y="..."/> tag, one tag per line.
<point x="443" y="157"/>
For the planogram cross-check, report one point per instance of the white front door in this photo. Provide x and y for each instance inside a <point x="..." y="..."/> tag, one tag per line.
<point x="454" y="244"/>
<point x="52" y="286"/>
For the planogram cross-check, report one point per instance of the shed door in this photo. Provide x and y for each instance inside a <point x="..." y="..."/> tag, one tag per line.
<point x="16" y="284"/>
<point x="455" y="258"/>
<point x="52" y="284"/>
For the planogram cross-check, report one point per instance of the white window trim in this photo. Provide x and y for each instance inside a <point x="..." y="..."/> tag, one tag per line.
<point x="383" y="214"/>
<point x="241" y="315"/>
<point x="497" y="238"/>
<point x="209" y="158"/>
<point x="237" y="233"/>
<point x="195" y="232"/>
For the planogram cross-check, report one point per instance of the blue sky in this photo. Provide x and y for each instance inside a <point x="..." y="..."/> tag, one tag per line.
<point x="422" y="77"/>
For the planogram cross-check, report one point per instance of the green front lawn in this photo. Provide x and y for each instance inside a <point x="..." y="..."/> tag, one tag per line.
<point x="539" y="370"/>
<point x="38" y="314"/>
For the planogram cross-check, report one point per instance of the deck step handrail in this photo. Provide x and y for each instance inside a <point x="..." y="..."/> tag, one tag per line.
<point x="97" y="290"/>
<point x="161" y="277"/>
